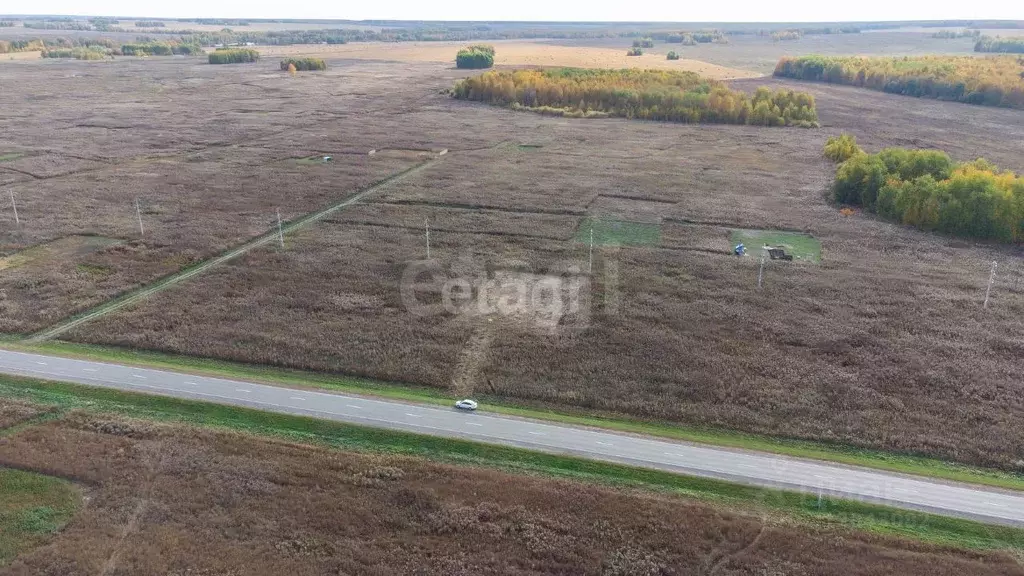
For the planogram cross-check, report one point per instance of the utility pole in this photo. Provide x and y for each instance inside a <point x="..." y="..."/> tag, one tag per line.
<point x="991" y="281"/>
<point x="280" y="230"/>
<point x="138" y="212"/>
<point x="590" y="267"/>
<point x="427" y="225"/>
<point x="17" y="221"/>
<point x="760" y="273"/>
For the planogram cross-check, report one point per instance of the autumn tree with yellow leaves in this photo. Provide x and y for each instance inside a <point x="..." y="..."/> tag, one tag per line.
<point x="670" y="96"/>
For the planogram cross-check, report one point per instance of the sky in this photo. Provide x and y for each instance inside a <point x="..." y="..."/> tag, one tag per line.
<point x="572" y="10"/>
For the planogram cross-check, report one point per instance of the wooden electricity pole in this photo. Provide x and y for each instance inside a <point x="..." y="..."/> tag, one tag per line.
<point x="17" y="221"/>
<point x="590" y="267"/>
<point x="760" y="273"/>
<point x="280" y="230"/>
<point x="991" y="281"/>
<point x="138" y="212"/>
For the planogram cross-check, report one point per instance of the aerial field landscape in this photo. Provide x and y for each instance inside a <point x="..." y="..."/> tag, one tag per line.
<point x="555" y="241"/>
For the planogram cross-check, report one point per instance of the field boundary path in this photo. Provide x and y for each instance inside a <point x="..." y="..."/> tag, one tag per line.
<point x="267" y="237"/>
<point x="744" y="467"/>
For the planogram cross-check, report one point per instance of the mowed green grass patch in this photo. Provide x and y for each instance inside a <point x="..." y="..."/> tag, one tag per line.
<point x="797" y="507"/>
<point x="11" y="156"/>
<point x="33" y="507"/>
<point x="801" y="246"/>
<point x="611" y="232"/>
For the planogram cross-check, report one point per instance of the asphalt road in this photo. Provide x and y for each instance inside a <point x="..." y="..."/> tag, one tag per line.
<point x="989" y="505"/>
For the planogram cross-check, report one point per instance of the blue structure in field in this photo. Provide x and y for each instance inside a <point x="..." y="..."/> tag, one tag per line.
<point x="739" y="250"/>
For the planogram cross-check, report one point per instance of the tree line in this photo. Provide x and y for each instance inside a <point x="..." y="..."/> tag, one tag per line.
<point x="217" y="21"/>
<point x="233" y="56"/>
<point x="149" y="24"/>
<point x="995" y="81"/>
<point x="926" y="189"/>
<point x="104" y="24"/>
<point x="159" y="49"/>
<point x="8" y="46"/>
<point x="669" y="96"/>
<point x="269" y="37"/>
<point x="61" y="25"/>
<point x="697" y="37"/>
<point x="303" y="64"/>
<point x="59" y="47"/>
<point x="79" y="53"/>
<point x="954" y="34"/>
<point x="785" y="35"/>
<point x="475" y="57"/>
<point x="999" y="44"/>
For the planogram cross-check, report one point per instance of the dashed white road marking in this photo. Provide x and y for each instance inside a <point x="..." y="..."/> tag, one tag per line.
<point x="603" y="443"/>
<point x="139" y="376"/>
<point x="537" y="433"/>
<point x="473" y="424"/>
<point x="413" y="415"/>
<point x="242" y="390"/>
<point x="41" y="363"/>
<point x="89" y="370"/>
<point x="353" y="406"/>
<point x="297" y="398"/>
<point x="191" y="384"/>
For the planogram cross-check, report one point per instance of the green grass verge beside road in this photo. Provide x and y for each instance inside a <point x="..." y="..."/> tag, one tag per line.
<point x="843" y="454"/>
<point x="32" y="507"/>
<point x="804" y="508"/>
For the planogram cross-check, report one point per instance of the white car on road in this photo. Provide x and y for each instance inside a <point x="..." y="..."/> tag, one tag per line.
<point x="468" y="405"/>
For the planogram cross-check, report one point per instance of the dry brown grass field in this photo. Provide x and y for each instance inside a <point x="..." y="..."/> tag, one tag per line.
<point x="516" y="53"/>
<point x="884" y="344"/>
<point x="760" y="54"/>
<point x="165" y="499"/>
<point x="20" y="56"/>
<point x="208" y="173"/>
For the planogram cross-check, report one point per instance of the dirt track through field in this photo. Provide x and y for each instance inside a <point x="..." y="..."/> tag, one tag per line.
<point x="265" y="238"/>
<point x="473" y="357"/>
